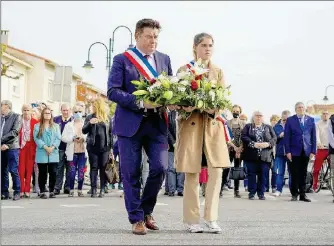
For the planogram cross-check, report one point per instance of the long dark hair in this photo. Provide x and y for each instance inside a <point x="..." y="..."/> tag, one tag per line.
<point x="42" y="120"/>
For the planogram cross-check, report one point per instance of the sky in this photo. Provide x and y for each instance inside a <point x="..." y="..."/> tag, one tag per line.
<point x="273" y="54"/>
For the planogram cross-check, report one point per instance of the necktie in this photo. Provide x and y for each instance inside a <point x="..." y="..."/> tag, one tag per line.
<point x="301" y="123"/>
<point x="147" y="56"/>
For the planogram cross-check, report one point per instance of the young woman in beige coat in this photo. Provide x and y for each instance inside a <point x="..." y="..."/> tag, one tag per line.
<point x="202" y="135"/>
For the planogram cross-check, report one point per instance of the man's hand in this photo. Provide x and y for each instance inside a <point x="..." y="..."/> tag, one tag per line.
<point x="189" y="109"/>
<point x="210" y="111"/>
<point x="312" y="156"/>
<point x="111" y="156"/>
<point x="151" y="105"/>
<point x="281" y="135"/>
<point x="173" y="107"/>
<point x="289" y="157"/>
<point x="4" y="147"/>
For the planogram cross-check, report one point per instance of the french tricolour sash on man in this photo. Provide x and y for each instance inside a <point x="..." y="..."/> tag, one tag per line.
<point x="143" y="67"/>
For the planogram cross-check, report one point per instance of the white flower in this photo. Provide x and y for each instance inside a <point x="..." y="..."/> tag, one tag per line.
<point x="182" y="75"/>
<point x="184" y="82"/>
<point x="155" y="85"/>
<point x="162" y="77"/>
<point x="199" y="71"/>
<point x="212" y="94"/>
<point x="174" y="79"/>
<point x="181" y="89"/>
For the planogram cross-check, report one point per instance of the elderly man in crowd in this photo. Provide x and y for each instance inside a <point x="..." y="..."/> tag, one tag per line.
<point x="300" y="147"/>
<point x="10" y="150"/>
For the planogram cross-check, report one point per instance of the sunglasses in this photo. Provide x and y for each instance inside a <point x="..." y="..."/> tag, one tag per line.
<point x="77" y="112"/>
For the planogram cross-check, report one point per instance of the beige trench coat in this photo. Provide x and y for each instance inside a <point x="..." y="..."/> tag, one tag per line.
<point x="200" y="132"/>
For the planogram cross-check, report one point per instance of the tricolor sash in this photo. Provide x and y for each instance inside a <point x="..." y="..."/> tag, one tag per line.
<point x="141" y="63"/>
<point x="143" y="67"/>
<point x="190" y="65"/>
<point x="227" y="131"/>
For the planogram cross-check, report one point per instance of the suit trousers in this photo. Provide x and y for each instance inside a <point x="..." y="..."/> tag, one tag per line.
<point x="154" y="140"/>
<point x="191" y="201"/>
<point x="298" y="169"/>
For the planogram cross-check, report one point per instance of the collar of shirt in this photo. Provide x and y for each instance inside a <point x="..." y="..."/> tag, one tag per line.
<point x="65" y="120"/>
<point x="143" y="54"/>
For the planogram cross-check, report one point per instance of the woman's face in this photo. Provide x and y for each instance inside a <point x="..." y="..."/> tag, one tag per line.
<point x="258" y="119"/>
<point x="204" y="49"/>
<point x="47" y="114"/>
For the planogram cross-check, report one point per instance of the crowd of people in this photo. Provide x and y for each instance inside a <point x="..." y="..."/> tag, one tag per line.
<point x="155" y="144"/>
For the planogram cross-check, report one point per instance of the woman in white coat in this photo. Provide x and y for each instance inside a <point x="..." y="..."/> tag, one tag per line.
<point x="75" y="149"/>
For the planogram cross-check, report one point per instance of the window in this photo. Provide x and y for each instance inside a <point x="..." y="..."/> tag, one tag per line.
<point x="50" y="89"/>
<point x="16" y="87"/>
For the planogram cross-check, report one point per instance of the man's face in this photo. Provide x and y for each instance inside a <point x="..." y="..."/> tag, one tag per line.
<point x="4" y="109"/>
<point x="325" y="116"/>
<point x="26" y="112"/>
<point x="300" y="109"/>
<point x="147" y="40"/>
<point x="284" y="118"/>
<point x="65" y="112"/>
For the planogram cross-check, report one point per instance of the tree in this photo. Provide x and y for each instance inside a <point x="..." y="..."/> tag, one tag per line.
<point x="5" y="67"/>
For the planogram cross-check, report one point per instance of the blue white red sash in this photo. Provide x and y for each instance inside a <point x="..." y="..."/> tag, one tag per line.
<point x="190" y="65"/>
<point x="141" y="63"/>
<point x="227" y="131"/>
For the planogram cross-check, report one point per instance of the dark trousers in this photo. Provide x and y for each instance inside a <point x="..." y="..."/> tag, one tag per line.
<point x="298" y="171"/>
<point x="98" y="162"/>
<point x="61" y="167"/>
<point x="273" y="177"/>
<point x="44" y="169"/>
<point x="78" y="164"/>
<point x="10" y="164"/>
<point x="256" y="172"/>
<point x="154" y="141"/>
<point x="175" y="179"/>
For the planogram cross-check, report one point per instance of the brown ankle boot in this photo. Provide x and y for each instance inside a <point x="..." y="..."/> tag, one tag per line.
<point x="139" y="228"/>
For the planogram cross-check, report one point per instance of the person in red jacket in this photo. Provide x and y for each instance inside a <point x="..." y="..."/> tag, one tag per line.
<point x="28" y="150"/>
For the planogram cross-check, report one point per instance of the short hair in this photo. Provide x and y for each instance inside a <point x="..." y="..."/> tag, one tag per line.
<point x="146" y="23"/>
<point x="8" y="103"/>
<point x="65" y="105"/>
<point x="26" y="106"/>
<point x="255" y="113"/>
<point x="237" y="106"/>
<point x="275" y="117"/>
<point x="286" y="112"/>
<point x="299" y="103"/>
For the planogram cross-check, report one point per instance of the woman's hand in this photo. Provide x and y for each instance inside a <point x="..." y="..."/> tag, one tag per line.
<point x="188" y="109"/>
<point x="93" y="120"/>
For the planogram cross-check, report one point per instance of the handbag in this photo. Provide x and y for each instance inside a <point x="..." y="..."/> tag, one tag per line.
<point x="112" y="172"/>
<point x="238" y="173"/>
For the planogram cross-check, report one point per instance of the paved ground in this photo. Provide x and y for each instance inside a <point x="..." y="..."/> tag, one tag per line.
<point x="83" y="221"/>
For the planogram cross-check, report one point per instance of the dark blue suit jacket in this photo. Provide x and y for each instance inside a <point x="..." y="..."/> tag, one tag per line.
<point x="128" y="116"/>
<point x="296" y="140"/>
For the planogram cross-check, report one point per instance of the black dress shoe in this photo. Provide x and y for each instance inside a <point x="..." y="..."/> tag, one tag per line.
<point x="262" y="198"/>
<point x="237" y="194"/>
<point x="294" y="198"/>
<point x="66" y="191"/>
<point x="180" y="193"/>
<point x="171" y="194"/>
<point x="3" y="197"/>
<point x="56" y="191"/>
<point x="304" y="199"/>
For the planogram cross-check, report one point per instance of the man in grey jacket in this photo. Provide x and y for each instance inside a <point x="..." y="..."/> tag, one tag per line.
<point x="10" y="150"/>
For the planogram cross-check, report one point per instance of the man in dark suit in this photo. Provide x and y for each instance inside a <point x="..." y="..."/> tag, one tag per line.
<point x="300" y="146"/>
<point x="140" y="124"/>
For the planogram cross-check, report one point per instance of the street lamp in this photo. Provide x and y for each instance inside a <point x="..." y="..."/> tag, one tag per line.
<point x="325" y="97"/>
<point x="88" y="65"/>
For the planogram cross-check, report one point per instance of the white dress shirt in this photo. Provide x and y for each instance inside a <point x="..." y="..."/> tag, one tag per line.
<point x="150" y="59"/>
